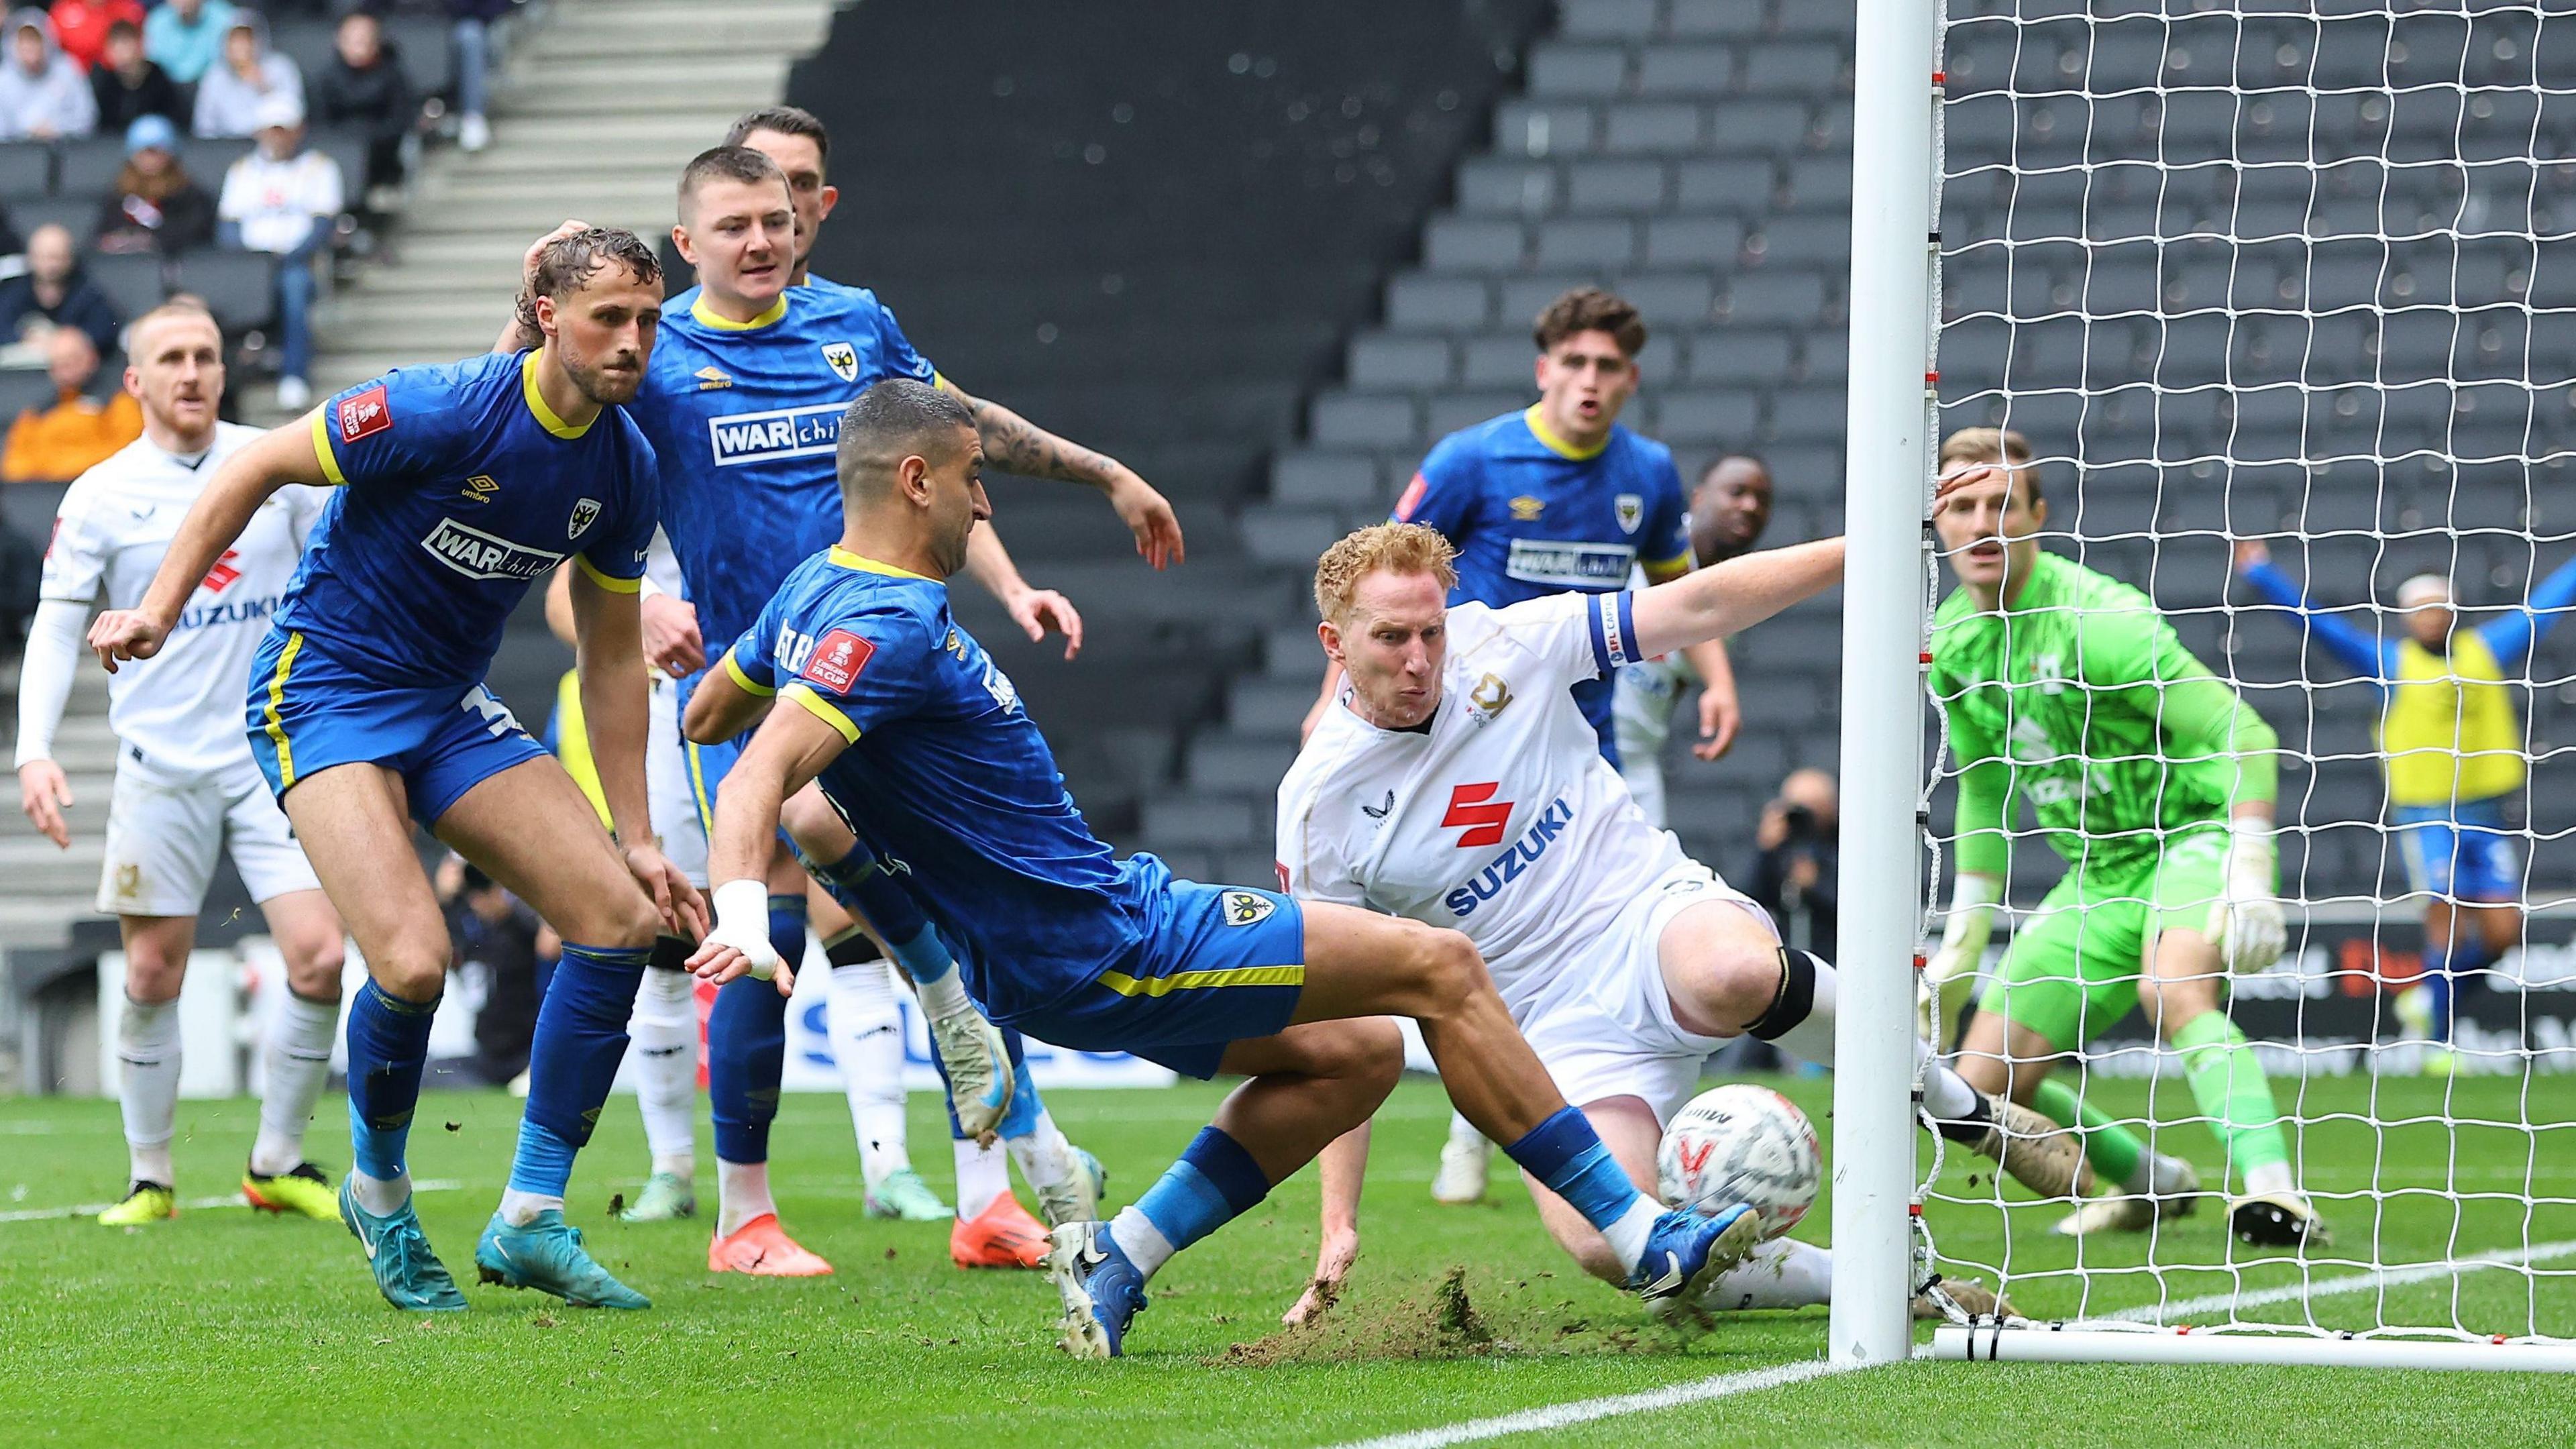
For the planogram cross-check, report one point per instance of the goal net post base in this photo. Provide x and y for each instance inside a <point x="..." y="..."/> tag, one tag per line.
<point x="2050" y="1343"/>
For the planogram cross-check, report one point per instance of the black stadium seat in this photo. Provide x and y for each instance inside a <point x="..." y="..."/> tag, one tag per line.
<point x="90" y="165"/>
<point x="132" y="283"/>
<point x="26" y="169"/>
<point x="75" y="214"/>
<point x="240" y="288"/>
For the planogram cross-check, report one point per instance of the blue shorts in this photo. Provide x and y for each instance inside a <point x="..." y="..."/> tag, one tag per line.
<point x="308" y="713"/>
<point x="1222" y="964"/>
<point x="2466" y="852"/>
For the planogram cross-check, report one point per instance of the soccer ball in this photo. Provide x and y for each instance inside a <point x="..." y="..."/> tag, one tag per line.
<point x="1741" y="1144"/>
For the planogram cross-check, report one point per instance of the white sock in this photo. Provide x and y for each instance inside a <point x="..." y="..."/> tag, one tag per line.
<point x="867" y="1044"/>
<point x="147" y="1049"/>
<point x="1045" y="1158"/>
<point x="2270" y="1179"/>
<point x="945" y="997"/>
<point x="1628" y="1235"/>
<point x="379" y="1195"/>
<point x="519" y="1209"/>
<point x="2157" y="1174"/>
<point x="1463" y="1132"/>
<point x="742" y="1193"/>
<point x="294" y="1063"/>
<point x="1945" y="1092"/>
<point x="1782" y="1273"/>
<point x="1811" y="1037"/>
<point x="1142" y="1242"/>
<point x="983" y="1174"/>
<point x="664" y="1030"/>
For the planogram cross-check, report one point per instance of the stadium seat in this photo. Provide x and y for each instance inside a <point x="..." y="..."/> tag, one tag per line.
<point x="1653" y="127"/>
<point x="132" y="283"/>
<point x="1450" y="412"/>
<point x="1539" y="128"/>
<point x="89" y="165"/>
<point x="1559" y="70"/>
<point x="1607" y="19"/>
<point x="1621" y="187"/>
<point x="1738" y="186"/>
<point x="240" y="288"/>
<point x="1496" y="361"/>
<point x="1739" y="358"/>
<point x="1586" y="242"/>
<point x="1767" y="128"/>
<point x="75" y="214"/>
<point x="1472" y="244"/>
<point x="1725" y="416"/>
<point x="1437" y="304"/>
<point x="1700" y="71"/>
<point x="1693" y="241"/>
<point x="1692" y="19"/>
<point x="1398" y="363"/>
<point x="1312" y="476"/>
<point x="1355" y="420"/>
<point x="208" y="158"/>
<point x="22" y="388"/>
<point x="26" y="170"/>
<point x="1506" y="186"/>
<point x="1791" y="69"/>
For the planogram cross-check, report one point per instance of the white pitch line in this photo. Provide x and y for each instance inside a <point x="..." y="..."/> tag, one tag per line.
<point x="2357" y="1283"/>
<point x="194" y="1204"/>
<point x="1584" y="1411"/>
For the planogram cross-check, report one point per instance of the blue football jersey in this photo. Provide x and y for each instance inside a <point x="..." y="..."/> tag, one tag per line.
<point x="745" y="418"/>
<point x="1531" y="515"/>
<point x="948" y="779"/>
<point x="457" y="487"/>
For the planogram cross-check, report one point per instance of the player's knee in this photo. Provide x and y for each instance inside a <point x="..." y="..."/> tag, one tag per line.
<point x="153" y="974"/>
<point x="812" y="824"/>
<point x="1371" y="1055"/>
<point x="412" y="971"/>
<point x="630" y="922"/>
<point x="314" y="960"/>
<point x="1448" y="970"/>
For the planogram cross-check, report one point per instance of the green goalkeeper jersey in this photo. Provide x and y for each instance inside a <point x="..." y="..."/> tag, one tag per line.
<point x="2078" y="697"/>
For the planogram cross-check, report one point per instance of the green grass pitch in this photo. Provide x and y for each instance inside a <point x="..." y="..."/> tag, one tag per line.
<point x="223" y="1328"/>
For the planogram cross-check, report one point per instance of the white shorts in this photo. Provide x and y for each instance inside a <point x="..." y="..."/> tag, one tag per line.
<point x="163" y="840"/>
<point x="668" y="791"/>
<point x="1607" y="1029"/>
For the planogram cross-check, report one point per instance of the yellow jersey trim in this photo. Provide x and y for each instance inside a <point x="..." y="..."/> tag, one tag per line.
<point x="1559" y="446"/>
<point x="537" y="408"/>
<point x="610" y="582"/>
<point x="940" y="380"/>
<point x="698" y="788"/>
<point x="1126" y="985"/>
<point x="1665" y="570"/>
<point x="274" y="715"/>
<point x="866" y="565"/>
<point x="821" y="709"/>
<point x="768" y="317"/>
<point x="322" y="450"/>
<point x="742" y="681"/>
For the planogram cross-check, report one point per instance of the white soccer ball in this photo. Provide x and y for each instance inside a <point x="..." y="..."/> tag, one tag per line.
<point x="1741" y="1144"/>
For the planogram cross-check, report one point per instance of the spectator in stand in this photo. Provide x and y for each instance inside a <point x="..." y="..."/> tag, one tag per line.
<point x="78" y="431"/>
<point x="474" y="20"/>
<point x="186" y="37"/>
<point x="364" y="89"/>
<point x="81" y="26"/>
<point x="282" y="199"/>
<point x="249" y="76"/>
<point x="43" y="95"/>
<point x="1798" y="841"/>
<point x="157" y="206"/>
<point x="53" y="292"/>
<point x="128" y="86"/>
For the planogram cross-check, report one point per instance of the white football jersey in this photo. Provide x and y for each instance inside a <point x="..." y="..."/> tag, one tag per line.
<point x="1500" y="818"/>
<point x="180" y="712"/>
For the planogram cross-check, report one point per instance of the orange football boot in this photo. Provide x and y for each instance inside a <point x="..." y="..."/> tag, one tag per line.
<point x="763" y="1248"/>
<point x="1002" y="1236"/>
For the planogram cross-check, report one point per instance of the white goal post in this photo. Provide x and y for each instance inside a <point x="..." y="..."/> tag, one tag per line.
<point x="2238" y="270"/>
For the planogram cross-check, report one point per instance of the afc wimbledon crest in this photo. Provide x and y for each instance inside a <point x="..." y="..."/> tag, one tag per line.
<point x="1245" y="908"/>
<point x="1632" y="511"/>
<point x="844" y="360"/>
<point x="584" y="514"/>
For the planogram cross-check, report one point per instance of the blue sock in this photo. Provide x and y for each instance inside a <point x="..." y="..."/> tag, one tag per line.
<point x="1566" y="1154"/>
<point x="866" y="891"/>
<point x="787" y="930"/>
<point x="1215" y="1182"/>
<point x="580" y="1039"/>
<point x="388" y="1052"/>
<point x="1020" y="1117"/>
<point x="2437" y="989"/>
<point x="747" y="1045"/>
<point x="2458" y="968"/>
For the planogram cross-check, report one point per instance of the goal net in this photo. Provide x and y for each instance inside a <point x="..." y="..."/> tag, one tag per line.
<point x="2303" y="275"/>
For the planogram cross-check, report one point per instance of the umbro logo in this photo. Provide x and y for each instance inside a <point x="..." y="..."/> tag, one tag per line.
<point x="480" y="488"/>
<point x="711" y="378"/>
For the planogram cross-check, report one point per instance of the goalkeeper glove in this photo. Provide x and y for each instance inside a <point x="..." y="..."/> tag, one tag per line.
<point x="742" y="922"/>
<point x="1952" y="971"/>
<point x="2245" y="922"/>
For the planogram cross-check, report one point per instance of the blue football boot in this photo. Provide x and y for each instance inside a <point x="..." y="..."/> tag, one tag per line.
<point x="547" y="1255"/>
<point x="407" y="1272"/>
<point x="1102" y="1289"/>
<point x="1688" y="1251"/>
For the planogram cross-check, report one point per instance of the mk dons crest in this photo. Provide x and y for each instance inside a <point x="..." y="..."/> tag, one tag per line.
<point x="584" y="514"/>
<point x="843" y="360"/>
<point x="1631" y="509"/>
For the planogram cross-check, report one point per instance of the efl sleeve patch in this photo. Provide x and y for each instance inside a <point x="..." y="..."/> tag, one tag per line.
<point x="837" y="660"/>
<point x="364" y="413"/>
<point x="1614" y="630"/>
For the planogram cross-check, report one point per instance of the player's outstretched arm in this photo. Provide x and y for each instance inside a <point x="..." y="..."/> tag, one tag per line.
<point x="1343" y="1166"/>
<point x="791" y="747"/>
<point x="720" y="707"/>
<point x="239" y="487"/>
<point x="1736" y="594"/>
<point x="1015" y="445"/>
<point x="609" y="652"/>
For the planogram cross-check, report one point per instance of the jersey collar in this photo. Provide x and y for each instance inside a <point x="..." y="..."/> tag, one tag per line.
<point x="843" y="558"/>
<point x="537" y="408"/>
<point x="768" y="317"/>
<point x="1560" y="447"/>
